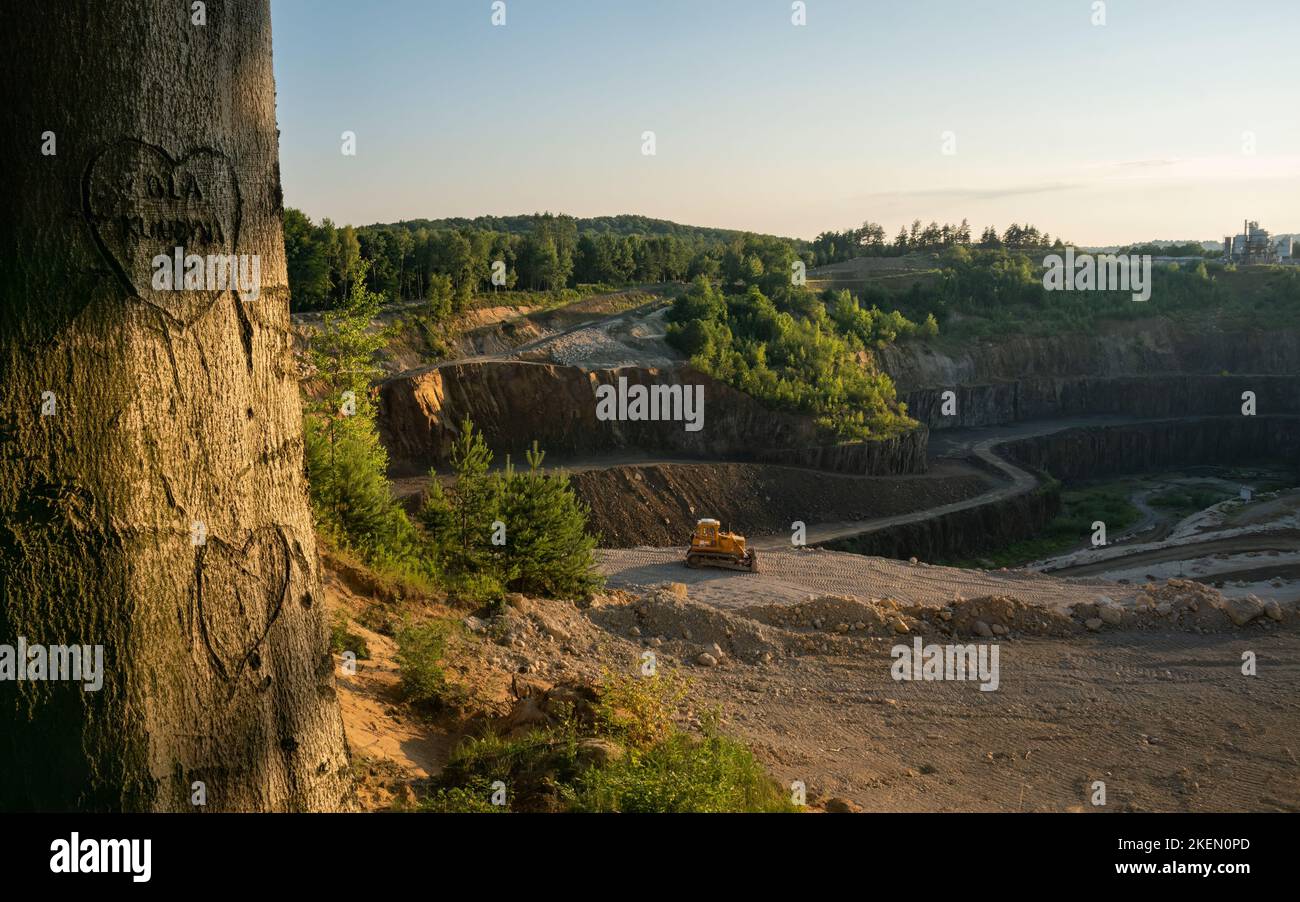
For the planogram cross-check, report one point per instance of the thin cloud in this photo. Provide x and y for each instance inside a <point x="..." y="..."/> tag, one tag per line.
<point x="975" y="193"/>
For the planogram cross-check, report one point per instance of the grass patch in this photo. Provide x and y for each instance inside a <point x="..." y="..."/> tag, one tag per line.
<point x="626" y="754"/>
<point x="342" y="638"/>
<point x="1187" y="500"/>
<point x="681" y="773"/>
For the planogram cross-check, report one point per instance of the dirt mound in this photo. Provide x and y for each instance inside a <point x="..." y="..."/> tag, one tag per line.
<point x="666" y="619"/>
<point x="834" y="613"/>
<point x="658" y="504"/>
<point x="1004" y="615"/>
<point x="1001" y="615"/>
<point x="1186" y="604"/>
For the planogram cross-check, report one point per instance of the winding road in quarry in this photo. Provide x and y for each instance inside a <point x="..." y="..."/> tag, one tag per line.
<point x="1157" y="708"/>
<point x="980" y="444"/>
<point x="634" y="337"/>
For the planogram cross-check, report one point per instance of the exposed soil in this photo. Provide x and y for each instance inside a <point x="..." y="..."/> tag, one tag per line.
<point x="789" y="576"/>
<point x="1152" y="702"/>
<point x="1165" y="719"/>
<point x="590" y="331"/>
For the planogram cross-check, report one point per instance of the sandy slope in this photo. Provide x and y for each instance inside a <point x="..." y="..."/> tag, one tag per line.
<point x="1154" y="704"/>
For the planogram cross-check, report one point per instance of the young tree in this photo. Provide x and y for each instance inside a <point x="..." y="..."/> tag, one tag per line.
<point x="346" y="462"/>
<point x="461" y="519"/>
<point x="548" y="550"/>
<point x="151" y="493"/>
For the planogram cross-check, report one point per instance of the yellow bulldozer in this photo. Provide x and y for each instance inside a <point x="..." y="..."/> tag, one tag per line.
<point x="711" y="547"/>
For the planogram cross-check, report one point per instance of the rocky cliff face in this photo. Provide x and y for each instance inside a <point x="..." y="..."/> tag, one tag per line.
<point x="1084" y="453"/>
<point x="1153" y="396"/>
<point x="1095" y="451"/>
<point x="960" y="533"/>
<point x="1115" y="349"/>
<point x="1149" y="368"/>
<point x="516" y="402"/>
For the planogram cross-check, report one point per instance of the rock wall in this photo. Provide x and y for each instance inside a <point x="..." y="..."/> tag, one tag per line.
<point x="517" y="402"/>
<point x="903" y="453"/>
<point x="1148" y="368"/>
<point x="1152" y="396"/>
<point x="659" y="504"/>
<point x="1096" y="451"/>
<point x="1138" y="347"/>
<point x="1083" y="453"/>
<point x="960" y="533"/>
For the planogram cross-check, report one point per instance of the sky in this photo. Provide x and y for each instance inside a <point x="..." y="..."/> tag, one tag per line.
<point x="1176" y="119"/>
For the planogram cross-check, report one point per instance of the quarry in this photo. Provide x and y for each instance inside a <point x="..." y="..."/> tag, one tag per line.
<point x="1106" y="657"/>
<point x="1029" y="416"/>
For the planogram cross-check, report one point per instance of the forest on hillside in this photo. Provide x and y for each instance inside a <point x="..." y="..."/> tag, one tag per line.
<point x="446" y="262"/>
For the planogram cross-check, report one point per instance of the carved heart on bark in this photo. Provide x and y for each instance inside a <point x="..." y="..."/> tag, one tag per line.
<point x="141" y="203"/>
<point x="240" y="592"/>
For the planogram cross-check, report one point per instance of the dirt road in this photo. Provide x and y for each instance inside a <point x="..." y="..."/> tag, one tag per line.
<point x="790" y="575"/>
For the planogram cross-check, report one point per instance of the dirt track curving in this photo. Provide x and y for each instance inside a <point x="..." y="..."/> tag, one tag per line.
<point x="659" y="503"/>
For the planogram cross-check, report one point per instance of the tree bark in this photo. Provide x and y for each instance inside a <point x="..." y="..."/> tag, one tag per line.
<point x="155" y="502"/>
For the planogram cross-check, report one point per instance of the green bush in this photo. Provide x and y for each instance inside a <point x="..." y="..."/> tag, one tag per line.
<point x="646" y="762"/>
<point x="683" y="773"/>
<point x="788" y="352"/>
<point x="421" y="649"/>
<point x="525" y="531"/>
<point x="476" y="589"/>
<point x="476" y="799"/>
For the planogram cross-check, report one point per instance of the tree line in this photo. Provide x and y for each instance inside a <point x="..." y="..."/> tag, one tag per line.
<point x="870" y="240"/>
<point x="447" y="262"/>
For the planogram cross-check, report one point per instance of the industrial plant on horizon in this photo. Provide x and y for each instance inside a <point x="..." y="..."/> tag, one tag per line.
<point x="1254" y="246"/>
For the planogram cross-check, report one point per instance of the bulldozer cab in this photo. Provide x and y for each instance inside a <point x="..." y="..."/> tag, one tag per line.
<point x="706" y="532"/>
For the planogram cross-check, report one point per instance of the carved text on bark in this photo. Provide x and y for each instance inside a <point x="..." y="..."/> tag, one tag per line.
<point x="141" y="202"/>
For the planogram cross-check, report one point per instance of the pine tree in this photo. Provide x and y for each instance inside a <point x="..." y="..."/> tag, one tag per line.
<point x="475" y="501"/>
<point x="548" y="549"/>
<point x="346" y="462"/>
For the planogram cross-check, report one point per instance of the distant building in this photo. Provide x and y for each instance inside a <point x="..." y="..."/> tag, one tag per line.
<point x="1254" y="247"/>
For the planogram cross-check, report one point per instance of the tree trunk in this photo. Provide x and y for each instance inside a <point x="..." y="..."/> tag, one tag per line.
<point x="152" y="495"/>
